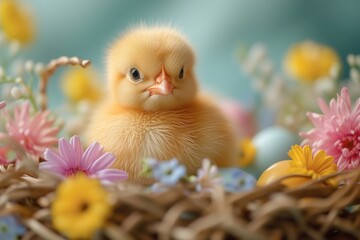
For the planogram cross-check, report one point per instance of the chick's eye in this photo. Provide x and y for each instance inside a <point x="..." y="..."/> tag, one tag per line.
<point x="181" y="73"/>
<point x="135" y="75"/>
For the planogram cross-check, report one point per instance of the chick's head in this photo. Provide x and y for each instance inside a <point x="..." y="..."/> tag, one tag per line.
<point x="151" y="68"/>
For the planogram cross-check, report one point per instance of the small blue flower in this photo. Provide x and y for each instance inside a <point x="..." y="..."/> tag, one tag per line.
<point x="151" y="163"/>
<point x="148" y="166"/>
<point x="236" y="180"/>
<point x="10" y="228"/>
<point x="169" y="172"/>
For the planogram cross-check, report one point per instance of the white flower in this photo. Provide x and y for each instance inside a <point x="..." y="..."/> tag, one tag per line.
<point x="207" y="177"/>
<point x="14" y="48"/>
<point x="257" y="54"/>
<point x="324" y="86"/>
<point x="351" y="60"/>
<point x="18" y="80"/>
<point x="39" y="67"/>
<point x="355" y="75"/>
<point x="29" y="66"/>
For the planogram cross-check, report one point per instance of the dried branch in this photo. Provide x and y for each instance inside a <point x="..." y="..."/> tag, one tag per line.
<point x="50" y="69"/>
<point x="270" y="212"/>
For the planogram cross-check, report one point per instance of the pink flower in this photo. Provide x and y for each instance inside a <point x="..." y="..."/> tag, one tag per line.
<point x="34" y="133"/>
<point x="71" y="160"/>
<point x="3" y="156"/>
<point x="2" y="104"/>
<point x="337" y="131"/>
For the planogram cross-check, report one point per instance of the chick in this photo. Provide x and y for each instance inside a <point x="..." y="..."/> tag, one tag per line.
<point x="153" y="108"/>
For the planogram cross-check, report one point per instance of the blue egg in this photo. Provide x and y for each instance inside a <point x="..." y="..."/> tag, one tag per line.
<point x="272" y="145"/>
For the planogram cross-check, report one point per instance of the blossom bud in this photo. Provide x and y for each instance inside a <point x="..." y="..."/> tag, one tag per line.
<point x="14" y="48"/>
<point x="351" y="59"/>
<point x="16" y="93"/>
<point x="355" y="75"/>
<point x="39" y="68"/>
<point x="357" y="60"/>
<point x="29" y="66"/>
<point x="18" y="80"/>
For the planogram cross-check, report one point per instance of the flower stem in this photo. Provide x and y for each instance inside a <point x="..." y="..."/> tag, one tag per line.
<point x="30" y="91"/>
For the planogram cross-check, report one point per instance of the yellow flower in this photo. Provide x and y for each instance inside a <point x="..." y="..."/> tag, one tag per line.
<point x="80" y="208"/>
<point x="316" y="167"/>
<point x="247" y="153"/>
<point x="309" y="61"/>
<point x="16" y="21"/>
<point x="81" y="84"/>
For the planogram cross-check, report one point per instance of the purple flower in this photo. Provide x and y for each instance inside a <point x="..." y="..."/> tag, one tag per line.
<point x="10" y="228"/>
<point x="169" y="172"/>
<point x="236" y="180"/>
<point x="71" y="160"/>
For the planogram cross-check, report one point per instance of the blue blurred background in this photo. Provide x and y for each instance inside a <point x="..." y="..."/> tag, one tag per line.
<point x="216" y="29"/>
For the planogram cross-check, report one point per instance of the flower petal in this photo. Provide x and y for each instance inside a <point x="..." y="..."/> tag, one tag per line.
<point x="78" y="150"/>
<point x="54" y="158"/>
<point x="93" y="152"/>
<point x="67" y="152"/>
<point x="112" y="175"/>
<point x="105" y="161"/>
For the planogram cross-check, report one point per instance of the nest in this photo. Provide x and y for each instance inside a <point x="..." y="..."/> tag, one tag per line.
<point x="310" y="211"/>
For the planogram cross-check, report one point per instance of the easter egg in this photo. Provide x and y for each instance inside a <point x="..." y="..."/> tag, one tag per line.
<point x="242" y="119"/>
<point x="279" y="170"/>
<point x="272" y="145"/>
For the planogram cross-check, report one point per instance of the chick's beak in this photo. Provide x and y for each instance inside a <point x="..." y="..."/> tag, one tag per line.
<point x="162" y="84"/>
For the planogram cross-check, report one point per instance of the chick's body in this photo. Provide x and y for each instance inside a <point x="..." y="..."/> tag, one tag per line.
<point x="154" y="110"/>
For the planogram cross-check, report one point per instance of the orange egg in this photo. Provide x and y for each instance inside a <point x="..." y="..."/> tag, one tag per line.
<point x="279" y="170"/>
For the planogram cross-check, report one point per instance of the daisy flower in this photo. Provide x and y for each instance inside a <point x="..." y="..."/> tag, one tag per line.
<point x="80" y="84"/>
<point x="207" y="176"/>
<point x="34" y="133"/>
<point x="315" y="167"/>
<point x="16" y="21"/>
<point x="310" y="61"/>
<point x="337" y="131"/>
<point x="71" y="160"/>
<point x="80" y="208"/>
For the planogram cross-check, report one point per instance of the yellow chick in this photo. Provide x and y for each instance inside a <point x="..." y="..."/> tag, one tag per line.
<point x="153" y="108"/>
